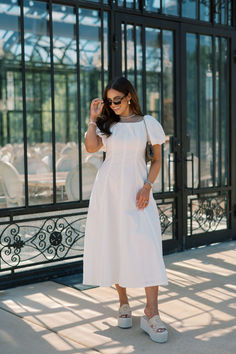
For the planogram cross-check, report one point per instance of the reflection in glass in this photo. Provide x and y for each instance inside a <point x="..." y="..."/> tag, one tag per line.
<point x="217" y="12"/>
<point x="11" y="115"/>
<point x="130" y="53"/>
<point x="131" y="4"/>
<point x="38" y="101"/>
<point x="139" y="64"/>
<point x="160" y="90"/>
<point x="192" y="110"/>
<point x="224" y="110"/>
<point x="153" y="84"/>
<point x="170" y="7"/>
<point x="189" y="8"/>
<point x="151" y="5"/>
<point x="153" y="72"/>
<point x="206" y="111"/>
<point x="212" y="146"/>
<point x="224" y="12"/>
<point x="205" y="10"/>
<point x="168" y="105"/>
<point x="217" y="113"/>
<point x="132" y="57"/>
<point x="229" y="12"/>
<point x="66" y="96"/>
<point x="93" y="76"/>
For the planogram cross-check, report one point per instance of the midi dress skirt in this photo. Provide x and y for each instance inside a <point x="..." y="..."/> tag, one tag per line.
<point x="123" y="245"/>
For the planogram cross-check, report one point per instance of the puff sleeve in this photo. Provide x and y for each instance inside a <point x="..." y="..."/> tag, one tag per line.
<point x="155" y="130"/>
<point x="104" y="139"/>
<point x="103" y="136"/>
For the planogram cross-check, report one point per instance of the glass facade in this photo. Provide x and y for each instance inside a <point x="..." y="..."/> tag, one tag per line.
<point x="219" y="11"/>
<point x="55" y="58"/>
<point x="207" y="110"/>
<point x="65" y="53"/>
<point x="158" y="92"/>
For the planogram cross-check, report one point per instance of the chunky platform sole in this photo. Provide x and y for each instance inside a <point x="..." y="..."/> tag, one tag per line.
<point x="159" y="337"/>
<point x="125" y="322"/>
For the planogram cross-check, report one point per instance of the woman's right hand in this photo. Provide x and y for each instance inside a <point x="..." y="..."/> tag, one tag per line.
<point x="96" y="108"/>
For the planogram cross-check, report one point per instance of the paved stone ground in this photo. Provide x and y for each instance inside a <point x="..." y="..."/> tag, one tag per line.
<point x="198" y="307"/>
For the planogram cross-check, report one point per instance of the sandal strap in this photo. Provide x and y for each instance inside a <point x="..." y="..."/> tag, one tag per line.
<point x="156" y="323"/>
<point x="124" y="310"/>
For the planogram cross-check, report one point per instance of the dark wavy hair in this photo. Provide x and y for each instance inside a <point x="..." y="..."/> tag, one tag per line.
<point x="108" y="116"/>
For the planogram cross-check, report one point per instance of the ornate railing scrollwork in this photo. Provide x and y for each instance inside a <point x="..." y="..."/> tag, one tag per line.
<point x="55" y="239"/>
<point x="208" y="213"/>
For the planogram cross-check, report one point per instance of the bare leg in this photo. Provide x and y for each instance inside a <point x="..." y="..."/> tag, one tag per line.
<point x="124" y="314"/>
<point x="122" y="295"/>
<point x="151" y="308"/>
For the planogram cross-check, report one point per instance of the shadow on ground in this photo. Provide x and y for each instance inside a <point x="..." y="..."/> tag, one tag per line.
<point x="198" y="307"/>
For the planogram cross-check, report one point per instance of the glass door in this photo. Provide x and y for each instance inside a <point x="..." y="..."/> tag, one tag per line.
<point x="145" y="54"/>
<point x="182" y="79"/>
<point x="207" y="92"/>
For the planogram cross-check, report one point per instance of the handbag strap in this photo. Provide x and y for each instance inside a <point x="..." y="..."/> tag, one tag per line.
<point x="148" y="137"/>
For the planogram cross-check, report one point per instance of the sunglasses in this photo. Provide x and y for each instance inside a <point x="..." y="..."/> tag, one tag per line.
<point x="117" y="100"/>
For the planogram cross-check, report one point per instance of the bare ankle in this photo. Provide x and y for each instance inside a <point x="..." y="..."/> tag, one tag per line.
<point x="124" y="302"/>
<point x="149" y="312"/>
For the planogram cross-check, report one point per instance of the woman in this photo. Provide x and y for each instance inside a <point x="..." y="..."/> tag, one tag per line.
<point x="123" y="243"/>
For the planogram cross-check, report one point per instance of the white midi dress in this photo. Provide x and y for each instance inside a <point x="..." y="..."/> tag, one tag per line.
<point x="123" y="244"/>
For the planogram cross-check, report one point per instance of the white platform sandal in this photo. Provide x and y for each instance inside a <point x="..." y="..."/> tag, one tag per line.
<point x="124" y="316"/>
<point x="155" y="328"/>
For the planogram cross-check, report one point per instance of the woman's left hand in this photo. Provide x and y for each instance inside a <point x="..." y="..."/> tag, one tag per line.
<point x="142" y="198"/>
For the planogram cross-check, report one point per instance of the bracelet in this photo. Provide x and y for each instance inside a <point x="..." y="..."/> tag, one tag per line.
<point x="146" y="181"/>
<point x="92" y="123"/>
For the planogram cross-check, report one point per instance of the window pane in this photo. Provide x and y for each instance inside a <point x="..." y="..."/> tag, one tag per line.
<point x="153" y="72"/>
<point x="11" y="115"/>
<point x="38" y="100"/>
<point x="153" y="5"/>
<point x="229" y="12"/>
<point x="217" y="12"/>
<point x="131" y="4"/>
<point x="170" y="7"/>
<point x="192" y="110"/>
<point x="217" y="111"/>
<point x="168" y="106"/>
<point x="66" y="97"/>
<point x="91" y="82"/>
<point x="153" y="82"/>
<point x="224" y="12"/>
<point x="189" y="8"/>
<point x="139" y="58"/>
<point x="205" y="10"/>
<point x="224" y="112"/>
<point x="130" y="53"/>
<point x="132" y="57"/>
<point x="206" y="111"/>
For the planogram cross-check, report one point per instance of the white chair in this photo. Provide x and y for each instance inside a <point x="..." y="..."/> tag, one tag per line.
<point x="48" y="160"/>
<point x="72" y="184"/>
<point x="89" y="172"/>
<point x="19" y="163"/>
<point x="69" y="148"/>
<point x="37" y="167"/>
<point x="2" y="195"/>
<point x="66" y="163"/>
<point x="11" y="184"/>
